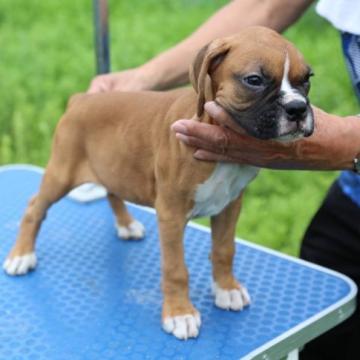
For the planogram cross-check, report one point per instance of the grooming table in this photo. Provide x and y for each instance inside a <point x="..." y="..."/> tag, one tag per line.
<point x="94" y="296"/>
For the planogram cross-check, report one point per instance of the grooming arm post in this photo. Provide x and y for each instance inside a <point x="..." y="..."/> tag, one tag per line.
<point x="101" y="36"/>
<point x="91" y="192"/>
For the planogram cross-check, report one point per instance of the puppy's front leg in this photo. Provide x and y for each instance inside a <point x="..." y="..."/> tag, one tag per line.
<point x="229" y="293"/>
<point x="179" y="316"/>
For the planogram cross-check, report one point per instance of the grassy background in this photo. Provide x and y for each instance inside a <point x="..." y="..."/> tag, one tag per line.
<point x="47" y="54"/>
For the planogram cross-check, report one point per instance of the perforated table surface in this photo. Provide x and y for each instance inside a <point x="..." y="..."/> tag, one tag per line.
<point x="94" y="296"/>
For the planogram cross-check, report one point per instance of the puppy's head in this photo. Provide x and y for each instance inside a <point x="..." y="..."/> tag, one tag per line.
<point x="260" y="79"/>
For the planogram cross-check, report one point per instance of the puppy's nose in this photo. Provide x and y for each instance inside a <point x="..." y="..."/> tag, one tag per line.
<point x="296" y="109"/>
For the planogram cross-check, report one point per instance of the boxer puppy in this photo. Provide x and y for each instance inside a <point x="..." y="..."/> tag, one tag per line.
<point x="123" y="141"/>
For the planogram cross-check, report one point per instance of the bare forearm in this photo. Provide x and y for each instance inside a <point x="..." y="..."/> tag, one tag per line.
<point x="170" y="68"/>
<point x="333" y="146"/>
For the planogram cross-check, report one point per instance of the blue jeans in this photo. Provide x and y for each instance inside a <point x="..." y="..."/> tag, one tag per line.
<point x="333" y="240"/>
<point x="349" y="181"/>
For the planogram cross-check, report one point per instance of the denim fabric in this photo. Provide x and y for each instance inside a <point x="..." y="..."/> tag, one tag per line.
<point x="348" y="180"/>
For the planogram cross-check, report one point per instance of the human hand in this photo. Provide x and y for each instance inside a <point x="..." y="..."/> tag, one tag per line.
<point x="331" y="147"/>
<point x="222" y="143"/>
<point x="128" y="80"/>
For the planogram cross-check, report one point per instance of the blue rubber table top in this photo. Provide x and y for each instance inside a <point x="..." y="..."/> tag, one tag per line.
<point x="94" y="296"/>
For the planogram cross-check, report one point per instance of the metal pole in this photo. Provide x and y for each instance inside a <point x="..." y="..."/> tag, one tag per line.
<point x="101" y="36"/>
<point x="90" y="192"/>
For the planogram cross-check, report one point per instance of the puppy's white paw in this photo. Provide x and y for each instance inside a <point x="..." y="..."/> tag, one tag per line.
<point x="183" y="326"/>
<point x="234" y="299"/>
<point x="135" y="230"/>
<point x="20" y="265"/>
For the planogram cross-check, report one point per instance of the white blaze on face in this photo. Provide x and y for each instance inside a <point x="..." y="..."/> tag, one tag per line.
<point x="289" y="93"/>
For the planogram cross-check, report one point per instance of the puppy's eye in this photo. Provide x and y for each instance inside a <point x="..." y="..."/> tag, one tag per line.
<point x="306" y="79"/>
<point x="253" y="80"/>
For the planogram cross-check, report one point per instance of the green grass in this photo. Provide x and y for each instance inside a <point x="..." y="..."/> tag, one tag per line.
<point x="47" y="54"/>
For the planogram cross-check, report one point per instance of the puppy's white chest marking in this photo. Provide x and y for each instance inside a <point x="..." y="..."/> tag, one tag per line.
<point x="223" y="186"/>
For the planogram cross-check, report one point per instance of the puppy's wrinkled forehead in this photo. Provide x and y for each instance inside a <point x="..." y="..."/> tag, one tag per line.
<point x="264" y="51"/>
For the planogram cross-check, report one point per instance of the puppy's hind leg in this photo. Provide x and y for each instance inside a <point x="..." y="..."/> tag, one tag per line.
<point x="22" y="258"/>
<point x="126" y="226"/>
<point x="229" y="293"/>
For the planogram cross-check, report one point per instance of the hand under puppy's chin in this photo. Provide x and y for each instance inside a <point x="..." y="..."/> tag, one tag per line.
<point x="229" y="123"/>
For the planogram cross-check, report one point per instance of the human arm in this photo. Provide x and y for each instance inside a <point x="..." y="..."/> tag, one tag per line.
<point x="170" y="68"/>
<point x="333" y="146"/>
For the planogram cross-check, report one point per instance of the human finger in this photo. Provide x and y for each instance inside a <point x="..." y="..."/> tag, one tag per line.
<point x="198" y="134"/>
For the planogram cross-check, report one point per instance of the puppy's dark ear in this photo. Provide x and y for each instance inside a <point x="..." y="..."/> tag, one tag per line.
<point x="206" y="61"/>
